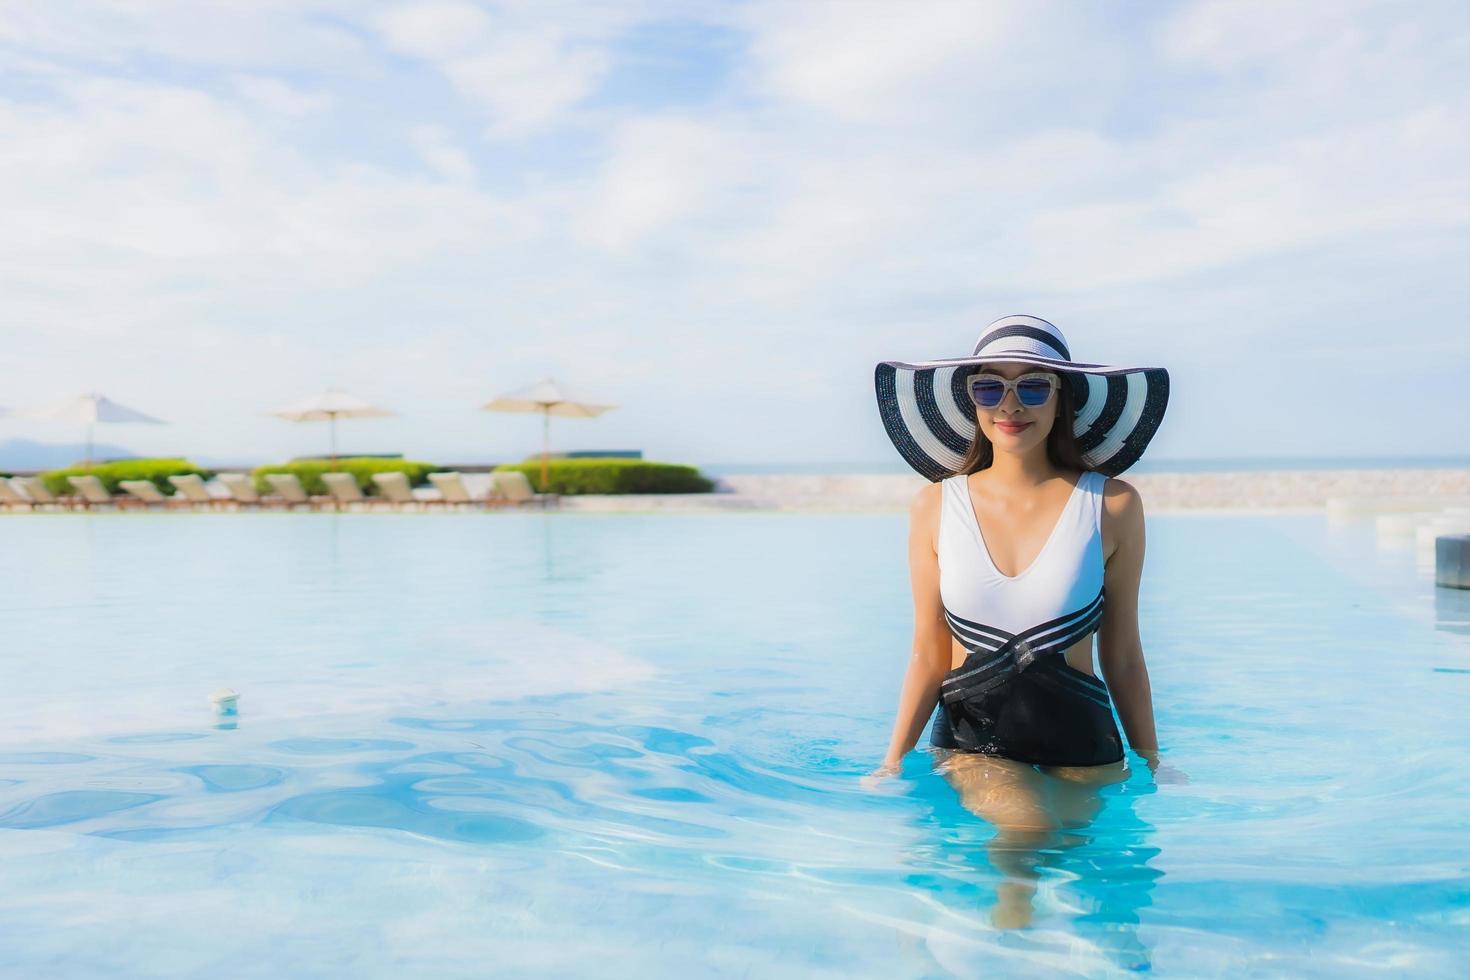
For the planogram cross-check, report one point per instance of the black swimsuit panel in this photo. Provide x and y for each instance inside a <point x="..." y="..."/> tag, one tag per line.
<point x="1016" y="696"/>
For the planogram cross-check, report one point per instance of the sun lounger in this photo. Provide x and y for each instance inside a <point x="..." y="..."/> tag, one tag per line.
<point x="242" y="490"/>
<point x="344" y="491"/>
<point x="516" y="488"/>
<point x="190" y="487"/>
<point x="94" y="494"/>
<point x="151" y="496"/>
<point x="35" y="488"/>
<point x="289" y="488"/>
<point x="454" y="494"/>
<point x="12" y="499"/>
<point x="394" y="488"/>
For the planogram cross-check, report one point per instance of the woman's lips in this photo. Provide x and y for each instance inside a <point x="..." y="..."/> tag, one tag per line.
<point x="1012" y="428"/>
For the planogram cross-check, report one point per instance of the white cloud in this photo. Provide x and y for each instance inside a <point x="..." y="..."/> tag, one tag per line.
<point x="255" y="35"/>
<point x="278" y="96"/>
<point x="1350" y="184"/>
<point x="528" y="77"/>
<point x="434" y="30"/>
<point x="439" y="151"/>
<point x="525" y="65"/>
<point x="1234" y="34"/>
<point x="662" y="171"/>
<point x="859" y="58"/>
<point x="138" y="206"/>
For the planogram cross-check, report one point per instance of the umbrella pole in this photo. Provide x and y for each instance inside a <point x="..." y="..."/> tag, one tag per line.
<point x="334" y="442"/>
<point x="545" y="442"/>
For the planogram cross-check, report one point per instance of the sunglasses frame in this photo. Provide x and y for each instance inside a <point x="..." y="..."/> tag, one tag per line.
<point x="1010" y="385"/>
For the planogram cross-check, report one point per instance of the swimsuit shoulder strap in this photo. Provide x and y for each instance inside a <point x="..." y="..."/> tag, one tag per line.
<point x="1099" y="481"/>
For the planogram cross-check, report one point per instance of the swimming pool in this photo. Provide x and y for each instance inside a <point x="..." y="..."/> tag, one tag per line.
<point x="630" y="745"/>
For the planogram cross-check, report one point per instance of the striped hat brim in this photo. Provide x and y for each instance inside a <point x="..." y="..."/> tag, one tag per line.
<point x="930" y="418"/>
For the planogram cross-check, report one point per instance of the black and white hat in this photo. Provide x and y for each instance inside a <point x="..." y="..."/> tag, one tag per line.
<point x="931" y="420"/>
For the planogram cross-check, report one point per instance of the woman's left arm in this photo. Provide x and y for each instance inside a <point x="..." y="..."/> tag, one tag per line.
<point x="1119" y="649"/>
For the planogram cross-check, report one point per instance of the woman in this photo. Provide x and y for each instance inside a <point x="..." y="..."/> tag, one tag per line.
<point x="1020" y="549"/>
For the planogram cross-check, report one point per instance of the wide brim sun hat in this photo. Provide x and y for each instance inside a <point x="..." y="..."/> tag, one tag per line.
<point x="930" y="418"/>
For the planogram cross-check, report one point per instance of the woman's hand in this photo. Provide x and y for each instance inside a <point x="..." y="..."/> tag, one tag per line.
<point x="872" y="779"/>
<point x="1163" y="773"/>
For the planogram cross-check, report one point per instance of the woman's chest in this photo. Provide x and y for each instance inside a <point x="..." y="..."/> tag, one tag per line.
<point x="1066" y="579"/>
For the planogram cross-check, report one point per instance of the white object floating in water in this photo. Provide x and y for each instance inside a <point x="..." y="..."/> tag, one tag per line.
<point x="224" y="699"/>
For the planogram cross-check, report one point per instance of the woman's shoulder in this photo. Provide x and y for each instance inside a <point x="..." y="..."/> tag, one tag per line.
<point x="1121" y="500"/>
<point x="1116" y="489"/>
<point x="926" y="498"/>
<point x="924" y="510"/>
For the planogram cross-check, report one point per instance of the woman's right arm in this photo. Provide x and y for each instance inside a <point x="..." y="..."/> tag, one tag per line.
<point x="929" y="659"/>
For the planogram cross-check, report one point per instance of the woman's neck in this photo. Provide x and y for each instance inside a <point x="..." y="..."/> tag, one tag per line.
<point x="1022" y="470"/>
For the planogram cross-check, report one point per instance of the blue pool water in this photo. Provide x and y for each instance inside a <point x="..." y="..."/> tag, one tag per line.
<point x="631" y="745"/>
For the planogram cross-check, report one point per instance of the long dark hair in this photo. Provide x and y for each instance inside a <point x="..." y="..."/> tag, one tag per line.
<point x="1061" y="444"/>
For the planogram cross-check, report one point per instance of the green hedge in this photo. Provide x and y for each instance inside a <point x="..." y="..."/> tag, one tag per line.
<point x="566" y="476"/>
<point x="157" y="471"/>
<point x="362" y="468"/>
<point x="612" y="475"/>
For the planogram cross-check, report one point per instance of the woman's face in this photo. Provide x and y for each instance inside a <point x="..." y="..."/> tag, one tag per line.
<point x="1010" y="426"/>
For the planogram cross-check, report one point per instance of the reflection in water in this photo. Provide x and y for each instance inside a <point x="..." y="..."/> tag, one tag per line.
<point x="1452" y="610"/>
<point x="1070" y="830"/>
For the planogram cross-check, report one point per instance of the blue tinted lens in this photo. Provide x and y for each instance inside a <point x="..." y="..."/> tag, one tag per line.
<point x="1033" y="393"/>
<point x="987" y="393"/>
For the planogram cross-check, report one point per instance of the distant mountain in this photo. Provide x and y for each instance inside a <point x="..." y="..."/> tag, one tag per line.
<point x="27" y="454"/>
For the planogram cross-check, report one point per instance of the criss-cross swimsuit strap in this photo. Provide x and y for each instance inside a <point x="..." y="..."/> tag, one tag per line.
<point x="996" y="655"/>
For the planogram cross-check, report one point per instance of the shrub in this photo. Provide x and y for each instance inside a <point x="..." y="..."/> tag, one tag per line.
<point x="612" y="475"/>
<point x="362" y="468"/>
<point x="156" y="471"/>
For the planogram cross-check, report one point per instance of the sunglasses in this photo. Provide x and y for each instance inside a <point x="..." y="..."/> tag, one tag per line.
<point x="1032" y="390"/>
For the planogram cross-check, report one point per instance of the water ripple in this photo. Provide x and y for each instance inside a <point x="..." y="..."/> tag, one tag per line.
<point x="329" y="746"/>
<point x="153" y="738"/>
<point x="234" y="778"/>
<point x="71" y="806"/>
<point x="363" y="809"/>
<point x="43" y="758"/>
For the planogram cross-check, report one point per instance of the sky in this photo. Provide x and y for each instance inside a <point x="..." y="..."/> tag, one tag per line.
<point x="721" y="216"/>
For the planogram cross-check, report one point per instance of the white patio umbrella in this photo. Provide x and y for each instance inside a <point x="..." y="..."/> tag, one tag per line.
<point x="329" y="406"/>
<point x="88" y="410"/>
<point x="549" y="398"/>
